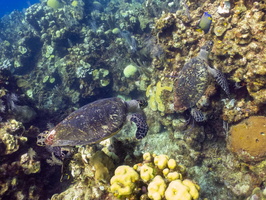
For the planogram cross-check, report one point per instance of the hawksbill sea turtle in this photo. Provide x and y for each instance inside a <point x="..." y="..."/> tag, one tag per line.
<point x="193" y="80"/>
<point x="95" y="122"/>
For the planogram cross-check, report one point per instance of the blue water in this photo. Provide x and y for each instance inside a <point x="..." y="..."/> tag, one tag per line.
<point x="7" y="6"/>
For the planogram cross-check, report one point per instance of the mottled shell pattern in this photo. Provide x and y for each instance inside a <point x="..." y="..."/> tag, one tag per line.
<point x="90" y="124"/>
<point x="192" y="81"/>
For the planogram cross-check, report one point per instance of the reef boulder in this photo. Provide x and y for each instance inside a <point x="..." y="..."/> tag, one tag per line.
<point x="248" y="139"/>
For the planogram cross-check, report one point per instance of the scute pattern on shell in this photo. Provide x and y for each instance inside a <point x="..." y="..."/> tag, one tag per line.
<point x="91" y="123"/>
<point x="142" y="126"/>
<point x="191" y="84"/>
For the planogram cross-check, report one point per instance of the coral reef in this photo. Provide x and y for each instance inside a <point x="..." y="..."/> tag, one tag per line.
<point x="144" y="180"/>
<point x="10" y="141"/>
<point x="60" y="55"/>
<point x="90" y="171"/>
<point x="161" y="176"/>
<point x="20" y="165"/>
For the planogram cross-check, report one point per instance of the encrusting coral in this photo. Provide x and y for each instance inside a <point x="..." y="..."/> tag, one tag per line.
<point x="102" y="164"/>
<point x="156" y="95"/>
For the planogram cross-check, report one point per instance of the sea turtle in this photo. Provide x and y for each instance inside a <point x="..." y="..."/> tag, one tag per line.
<point x="193" y="81"/>
<point x="95" y="122"/>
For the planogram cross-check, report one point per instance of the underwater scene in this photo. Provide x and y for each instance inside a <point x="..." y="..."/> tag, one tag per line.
<point x="133" y="100"/>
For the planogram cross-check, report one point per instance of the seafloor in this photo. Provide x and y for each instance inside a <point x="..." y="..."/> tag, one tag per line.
<point x="59" y="55"/>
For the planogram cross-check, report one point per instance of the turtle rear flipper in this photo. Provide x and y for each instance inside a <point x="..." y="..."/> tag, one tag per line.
<point x="41" y="138"/>
<point x="142" y="126"/>
<point x="220" y="78"/>
<point x="197" y="115"/>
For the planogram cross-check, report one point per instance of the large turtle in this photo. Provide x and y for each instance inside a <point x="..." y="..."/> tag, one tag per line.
<point x="193" y="81"/>
<point x="95" y="122"/>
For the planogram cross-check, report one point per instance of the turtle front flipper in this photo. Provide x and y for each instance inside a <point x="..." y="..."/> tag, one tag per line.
<point x="197" y="115"/>
<point x="220" y="78"/>
<point x="142" y="126"/>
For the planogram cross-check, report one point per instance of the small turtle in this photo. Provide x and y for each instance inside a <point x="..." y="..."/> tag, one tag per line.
<point x="193" y="81"/>
<point x="95" y="122"/>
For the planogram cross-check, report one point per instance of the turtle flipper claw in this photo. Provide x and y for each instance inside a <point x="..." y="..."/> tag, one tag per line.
<point x="142" y="126"/>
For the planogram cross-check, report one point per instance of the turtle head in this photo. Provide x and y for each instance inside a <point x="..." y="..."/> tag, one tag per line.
<point x="205" y="50"/>
<point x="46" y="139"/>
<point x="136" y="105"/>
<point x="207" y="46"/>
<point x="142" y="103"/>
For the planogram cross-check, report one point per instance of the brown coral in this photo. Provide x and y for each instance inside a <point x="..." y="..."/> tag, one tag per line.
<point x="248" y="139"/>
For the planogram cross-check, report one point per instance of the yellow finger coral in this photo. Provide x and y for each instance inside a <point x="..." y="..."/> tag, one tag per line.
<point x="182" y="190"/>
<point x="156" y="188"/>
<point x="161" y="161"/>
<point x="171" y="164"/>
<point x="193" y="188"/>
<point x="173" y="176"/>
<point x="146" y="173"/>
<point x="162" y="177"/>
<point x="147" y="157"/>
<point x="124" y="180"/>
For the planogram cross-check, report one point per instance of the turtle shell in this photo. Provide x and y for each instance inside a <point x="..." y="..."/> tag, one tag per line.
<point x="90" y="124"/>
<point x="191" y="84"/>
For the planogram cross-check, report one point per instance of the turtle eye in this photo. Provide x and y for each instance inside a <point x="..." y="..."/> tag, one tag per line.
<point x="142" y="103"/>
<point x="64" y="153"/>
